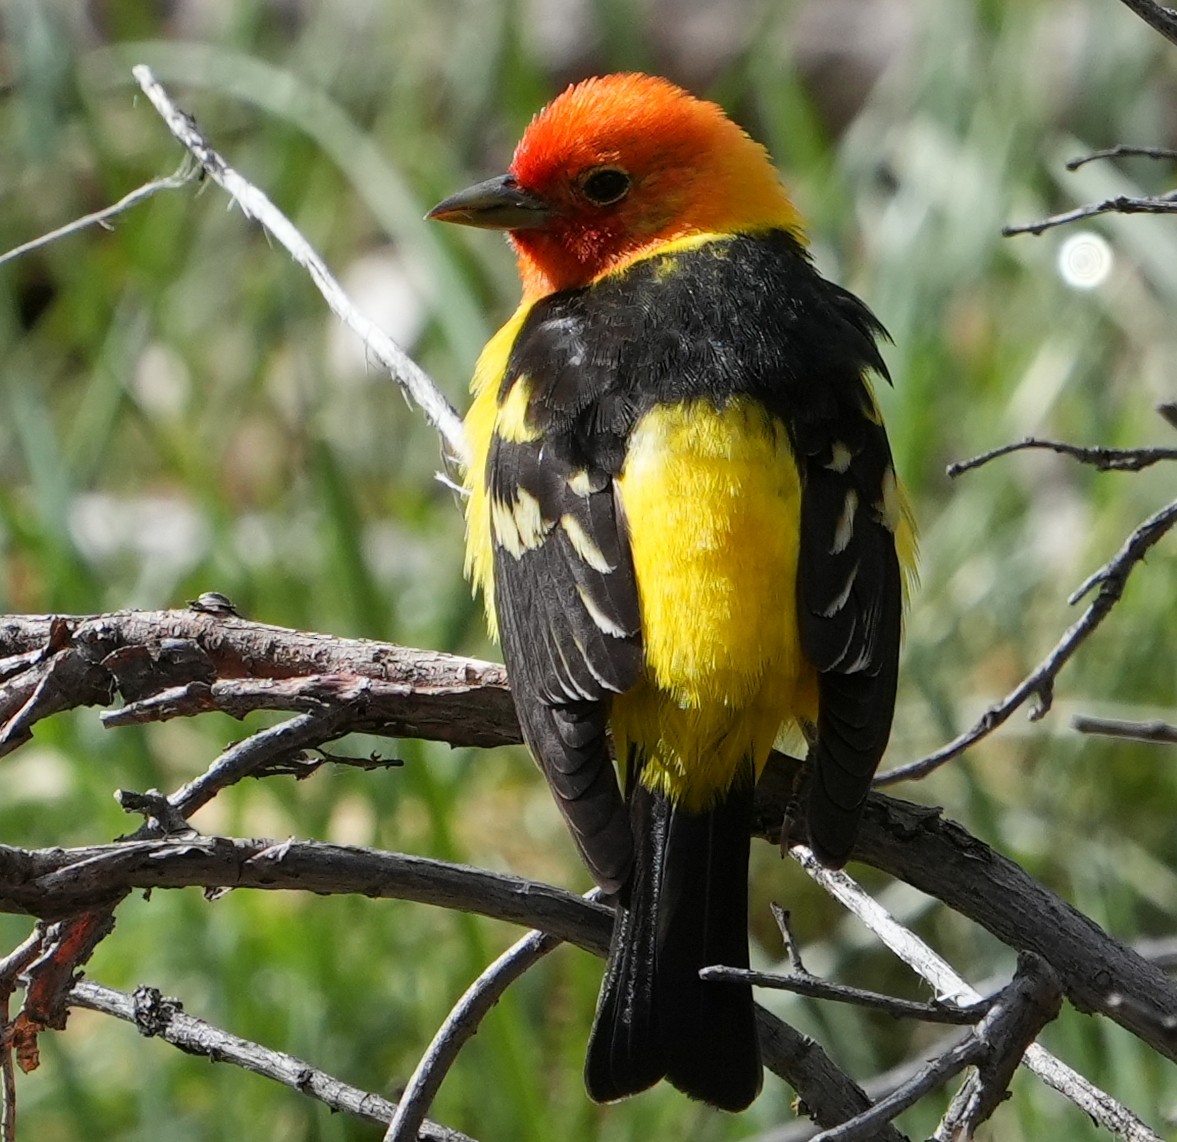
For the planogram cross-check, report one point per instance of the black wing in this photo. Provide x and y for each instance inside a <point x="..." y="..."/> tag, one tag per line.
<point x="565" y="591"/>
<point x="849" y="584"/>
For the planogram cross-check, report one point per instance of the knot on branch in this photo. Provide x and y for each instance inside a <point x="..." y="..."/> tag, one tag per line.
<point x="153" y="1012"/>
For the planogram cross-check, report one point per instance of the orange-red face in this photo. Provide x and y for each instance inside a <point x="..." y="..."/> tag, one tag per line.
<point x="614" y="166"/>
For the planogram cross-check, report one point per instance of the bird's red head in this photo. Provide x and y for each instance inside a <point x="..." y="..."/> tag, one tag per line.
<point x="614" y="167"/>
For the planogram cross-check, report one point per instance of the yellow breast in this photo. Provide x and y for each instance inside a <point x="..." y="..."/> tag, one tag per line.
<point x="712" y="501"/>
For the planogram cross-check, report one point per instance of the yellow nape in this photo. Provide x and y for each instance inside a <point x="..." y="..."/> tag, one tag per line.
<point x="712" y="500"/>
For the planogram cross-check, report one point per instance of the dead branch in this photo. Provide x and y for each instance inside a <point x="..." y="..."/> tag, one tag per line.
<point x="1156" y="16"/>
<point x="186" y="173"/>
<point x="461" y="1023"/>
<point x="1020" y="1012"/>
<point x="1121" y="204"/>
<point x="916" y="845"/>
<point x="49" y="883"/>
<point x="1104" y="1109"/>
<point x="1104" y="459"/>
<point x="177" y="663"/>
<point x="1161" y="732"/>
<point x="1121" y="151"/>
<point x="816" y="988"/>
<point x="1039" y="683"/>
<point x="153" y="1015"/>
<point x="825" y="1092"/>
<point x="412" y="379"/>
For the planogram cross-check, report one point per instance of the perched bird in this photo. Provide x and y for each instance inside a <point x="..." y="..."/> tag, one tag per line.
<point x="686" y="525"/>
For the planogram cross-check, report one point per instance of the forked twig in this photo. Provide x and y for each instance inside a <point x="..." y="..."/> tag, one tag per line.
<point x="1110" y="579"/>
<point x="1104" y="1109"/>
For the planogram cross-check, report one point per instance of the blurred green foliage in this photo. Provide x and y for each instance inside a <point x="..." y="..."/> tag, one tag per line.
<point x="178" y="413"/>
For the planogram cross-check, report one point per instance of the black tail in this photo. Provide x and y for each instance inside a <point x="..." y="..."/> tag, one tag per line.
<point x="686" y="907"/>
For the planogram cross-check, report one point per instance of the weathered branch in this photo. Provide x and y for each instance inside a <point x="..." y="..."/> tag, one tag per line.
<point x="186" y="173"/>
<point x="802" y="983"/>
<point x="1160" y="732"/>
<point x="1121" y="204"/>
<point x="828" y="1094"/>
<point x="1020" y="1012"/>
<point x="177" y="663"/>
<point x="461" y="1023"/>
<point x="255" y="204"/>
<point x="916" y="845"/>
<point x="1104" y="459"/>
<point x="59" y="882"/>
<point x="1039" y="683"/>
<point x="153" y="1015"/>
<point x="909" y="947"/>
<point x="1156" y="16"/>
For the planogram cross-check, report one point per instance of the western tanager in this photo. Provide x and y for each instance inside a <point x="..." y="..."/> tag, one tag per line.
<point x="687" y="528"/>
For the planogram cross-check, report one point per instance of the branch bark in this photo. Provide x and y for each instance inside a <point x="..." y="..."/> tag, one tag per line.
<point x="1156" y="16"/>
<point x="154" y="1015"/>
<point x="917" y="845"/>
<point x="168" y="664"/>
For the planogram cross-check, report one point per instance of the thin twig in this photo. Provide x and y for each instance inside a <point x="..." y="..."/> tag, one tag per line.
<point x="829" y="1096"/>
<point x="153" y="1015"/>
<point x="934" y="1074"/>
<point x="308" y="762"/>
<point x="1098" y="1104"/>
<point x="415" y="382"/>
<point x="995" y="1048"/>
<point x="877" y="1087"/>
<point x="1105" y="459"/>
<point x="1121" y="204"/>
<point x="816" y="988"/>
<point x="1110" y="579"/>
<point x="262" y="748"/>
<point x="459" y="1026"/>
<point x="792" y="947"/>
<point x="1156" y="16"/>
<point x="1161" y="732"/>
<point x="185" y="173"/>
<point x="1122" y="151"/>
<point x="7" y="1071"/>
<point x="11" y="967"/>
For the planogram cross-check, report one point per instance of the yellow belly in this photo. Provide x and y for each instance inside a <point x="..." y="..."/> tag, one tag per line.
<point x="712" y="499"/>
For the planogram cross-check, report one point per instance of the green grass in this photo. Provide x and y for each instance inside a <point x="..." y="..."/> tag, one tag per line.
<point x="179" y="413"/>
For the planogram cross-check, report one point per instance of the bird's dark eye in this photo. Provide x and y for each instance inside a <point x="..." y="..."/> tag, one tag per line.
<point x="605" y="185"/>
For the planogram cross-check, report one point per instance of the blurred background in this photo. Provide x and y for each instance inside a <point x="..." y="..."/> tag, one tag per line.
<point x="180" y="413"/>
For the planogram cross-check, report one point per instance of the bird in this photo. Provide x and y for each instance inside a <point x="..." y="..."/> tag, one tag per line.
<point x="684" y="519"/>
